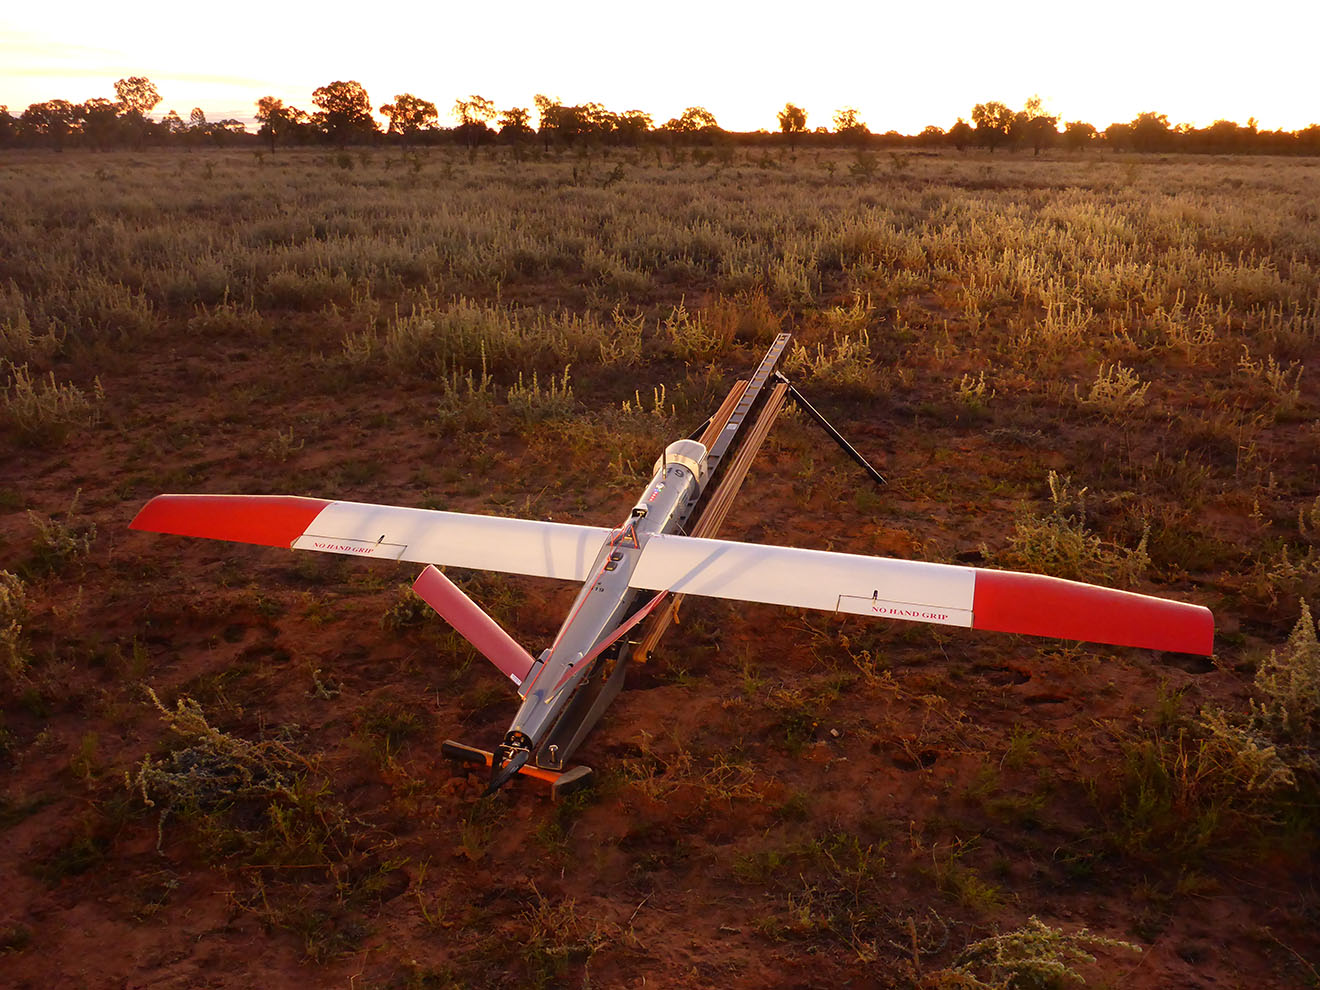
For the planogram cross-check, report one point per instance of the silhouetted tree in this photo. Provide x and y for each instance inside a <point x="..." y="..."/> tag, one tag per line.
<point x="961" y="134"/>
<point x="8" y="127"/>
<point x="589" y="121"/>
<point x="345" y="111"/>
<point x="698" y="119"/>
<point x="848" y="122"/>
<point x="516" y="128"/>
<point x="692" y="121"/>
<point x="101" y="123"/>
<point x="1118" y="136"/>
<point x="409" y="114"/>
<point x="198" y="129"/>
<point x="278" y="122"/>
<point x="137" y="96"/>
<point x="1077" y="134"/>
<point x="931" y="134"/>
<point x="634" y="125"/>
<point x="515" y="123"/>
<point x="53" y="119"/>
<point x="474" y="110"/>
<point x="1035" y="126"/>
<point x="173" y="123"/>
<point x="849" y="126"/>
<point x="994" y="122"/>
<point x="572" y="123"/>
<point x="472" y="115"/>
<point x="1226" y="136"/>
<point x="548" y="113"/>
<point x="271" y="113"/>
<point x="792" y="122"/>
<point x="598" y="123"/>
<point x="226" y="131"/>
<point x="1150" y="131"/>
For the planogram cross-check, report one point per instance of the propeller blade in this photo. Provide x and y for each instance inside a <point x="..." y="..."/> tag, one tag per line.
<point x="502" y="773"/>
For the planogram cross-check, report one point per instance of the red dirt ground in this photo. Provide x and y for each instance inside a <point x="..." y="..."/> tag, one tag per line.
<point x="769" y="812"/>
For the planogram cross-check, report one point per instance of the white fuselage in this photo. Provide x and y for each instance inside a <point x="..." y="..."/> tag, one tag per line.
<point x="607" y="598"/>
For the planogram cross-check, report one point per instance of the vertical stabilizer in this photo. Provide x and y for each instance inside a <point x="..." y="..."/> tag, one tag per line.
<point x="473" y="624"/>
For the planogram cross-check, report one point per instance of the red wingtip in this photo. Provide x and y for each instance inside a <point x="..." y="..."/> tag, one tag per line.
<point x="269" y="520"/>
<point x="1047" y="606"/>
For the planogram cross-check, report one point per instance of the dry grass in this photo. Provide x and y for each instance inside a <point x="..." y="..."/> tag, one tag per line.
<point x="43" y="412"/>
<point x="1100" y="367"/>
<point x="13" y="613"/>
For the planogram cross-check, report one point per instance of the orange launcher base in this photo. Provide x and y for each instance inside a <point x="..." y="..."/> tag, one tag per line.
<point x="561" y="783"/>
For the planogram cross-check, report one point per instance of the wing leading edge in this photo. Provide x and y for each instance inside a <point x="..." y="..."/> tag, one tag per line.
<point x="944" y="594"/>
<point x="358" y="529"/>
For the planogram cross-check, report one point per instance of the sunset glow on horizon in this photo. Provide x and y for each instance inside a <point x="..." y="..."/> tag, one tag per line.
<point x="902" y="68"/>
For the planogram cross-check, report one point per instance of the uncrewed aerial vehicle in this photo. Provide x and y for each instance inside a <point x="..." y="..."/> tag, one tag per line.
<point x="633" y="574"/>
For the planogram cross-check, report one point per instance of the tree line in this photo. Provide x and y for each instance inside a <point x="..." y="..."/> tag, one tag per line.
<point x="343" y="115"/>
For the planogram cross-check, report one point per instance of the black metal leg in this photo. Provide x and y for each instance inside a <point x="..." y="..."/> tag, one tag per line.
<point x="848" y="448"/>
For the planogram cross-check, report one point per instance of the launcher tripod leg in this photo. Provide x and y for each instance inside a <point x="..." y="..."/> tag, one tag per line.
<point x="828" y="427"/>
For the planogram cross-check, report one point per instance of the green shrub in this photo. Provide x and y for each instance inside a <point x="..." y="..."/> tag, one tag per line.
<point x="60" y="543"/>
<point x="1059" y="542"/>
<point x="437" y="339"/>
<point x="694" y="338"/>
<point x="1289" y="683"/>
<point x="1117" y="390"/>
<point x="19" y="342"/>
<point x="845" y="361"/>
<point x="532" y="402"/>
<point x="13" y="613"/>
<point x="466" y="403"/>
<point x="43" y="412"/>
<point x="408" y="610"/>
<point x="1033" y="956"/>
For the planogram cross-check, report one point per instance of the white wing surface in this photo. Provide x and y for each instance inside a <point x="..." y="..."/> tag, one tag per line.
<point x="358" y="529"/>
<point x="833" y="582"/>
<point x="944" y="594"/>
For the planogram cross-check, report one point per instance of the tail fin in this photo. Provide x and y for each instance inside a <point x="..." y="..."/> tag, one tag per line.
<point x="473" y="624"/>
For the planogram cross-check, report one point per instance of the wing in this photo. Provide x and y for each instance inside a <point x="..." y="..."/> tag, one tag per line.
<point x="516" y="546"/>
<point x="1001" y="601"/>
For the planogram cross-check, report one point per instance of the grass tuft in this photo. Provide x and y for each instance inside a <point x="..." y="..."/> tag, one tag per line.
<point x="1033" y="956"/>
<point x="43" y="412"/>
<point x="1060" y="543"/>
<point x="13" y="613"/>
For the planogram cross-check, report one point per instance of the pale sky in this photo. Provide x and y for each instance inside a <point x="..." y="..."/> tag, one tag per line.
<point x="903" y="65"/>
